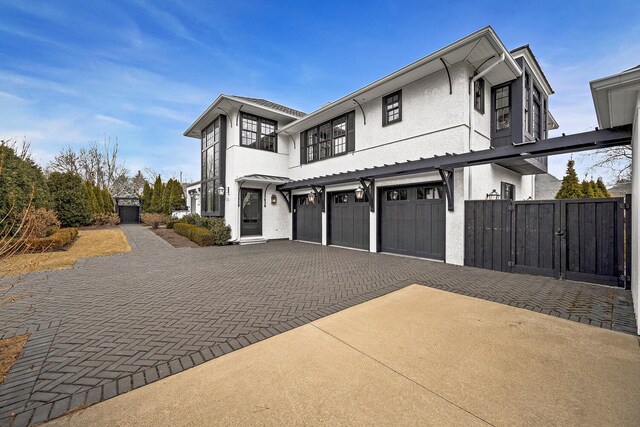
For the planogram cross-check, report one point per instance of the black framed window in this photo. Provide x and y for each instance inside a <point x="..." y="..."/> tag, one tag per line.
<point x="211" y="167"/>
<point x="329" y="139"/>
<point x="527" y="103"/>
<point x="478" y="95"/>
<point x="544" y="120"/>
<point x="502" y="102"/>
<point x="392" y="108"/>
<point x="341" y="198"/>
<point x="429" y="193"/>
<point x="258" y="132"/>
<point x="508" y="191"/>
<point x="396" y="195"/>
<point x="536" y="114"/>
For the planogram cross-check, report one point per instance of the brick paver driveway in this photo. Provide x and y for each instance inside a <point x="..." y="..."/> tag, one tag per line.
<point x="116" y="323"/>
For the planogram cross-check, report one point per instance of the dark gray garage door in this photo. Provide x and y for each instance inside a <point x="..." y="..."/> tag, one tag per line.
<point x="412" y="221"/>
<point x="129" y="214"/>
<point x="348" y="221"/>
<point x="307" y="220"/>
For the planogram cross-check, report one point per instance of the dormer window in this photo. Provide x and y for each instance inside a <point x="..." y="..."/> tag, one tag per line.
<point x="392" y="108"/>
<point x="258" y="132"/>
<point x="502" y="104"/>
<point x="478" y="95"/>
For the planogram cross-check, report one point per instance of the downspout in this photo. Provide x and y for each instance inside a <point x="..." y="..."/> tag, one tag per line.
<point x="472" y="80"/>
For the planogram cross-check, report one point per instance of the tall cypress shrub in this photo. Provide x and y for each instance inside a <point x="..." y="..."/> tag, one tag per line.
<point x="147" y="194"/>
<point x="156" y="198"/>
<point x="69" y="199"/>
<point x="570" y="188"/>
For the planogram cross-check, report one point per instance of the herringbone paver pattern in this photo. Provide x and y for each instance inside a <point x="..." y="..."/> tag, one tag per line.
<point x="116" y="323"/>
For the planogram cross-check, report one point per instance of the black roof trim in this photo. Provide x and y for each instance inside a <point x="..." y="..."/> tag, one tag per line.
<point x="585" y="141"/>
<point x="272" y="105"/>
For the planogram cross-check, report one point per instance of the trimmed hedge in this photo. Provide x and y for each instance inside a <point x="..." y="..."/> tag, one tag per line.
<point x="199" y="235"/>
<point x="221" y="231"/>
<point x="57" y="240"/>
<point x="171" y="223"/>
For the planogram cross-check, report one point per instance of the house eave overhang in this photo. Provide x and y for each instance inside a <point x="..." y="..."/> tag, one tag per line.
<point x="526" y="52"/>
<point x="615" y="97"/>
<point x="226" y="103"/>
<point x="585" y="141"/>
<point x="412" y="72"/>
<point x="267" y="179"/>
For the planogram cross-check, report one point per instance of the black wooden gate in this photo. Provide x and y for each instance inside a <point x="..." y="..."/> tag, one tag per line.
<point x="581" y="239"/>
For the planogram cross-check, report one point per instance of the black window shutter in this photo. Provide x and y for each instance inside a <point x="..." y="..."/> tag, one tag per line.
<point x="303" y="149"/>
<point x="351" y="131"/>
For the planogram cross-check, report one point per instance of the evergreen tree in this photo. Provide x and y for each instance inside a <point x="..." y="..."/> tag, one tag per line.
<point x="587" y="190"/>
<point x="570" y="188"/>
<point x="147" y="193"/>
<point x="69" y="199"/>
<point x="156" y="198"/>
<point x="166" y="197"/>
<point x="603" y="188"/>
<point x="91" y="197"/>
<point x="107" y="201"/>
<point x="596" y="190"/>
<point x="177" y="195"/>
<point x="99" y="203"/>
<point x="22" y="183"/>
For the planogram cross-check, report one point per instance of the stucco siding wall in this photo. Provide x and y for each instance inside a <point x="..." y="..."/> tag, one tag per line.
<point x="635" y="209"/>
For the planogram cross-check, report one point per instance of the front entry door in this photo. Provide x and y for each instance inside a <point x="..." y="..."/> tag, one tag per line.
<point x="251" y="211"/>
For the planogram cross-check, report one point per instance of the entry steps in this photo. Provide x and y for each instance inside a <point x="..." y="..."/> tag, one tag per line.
<point x="253" y="240"/>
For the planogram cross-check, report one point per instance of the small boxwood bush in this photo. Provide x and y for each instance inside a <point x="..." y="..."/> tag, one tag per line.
<point x="57" y="240"/>
<point x="171" y="223"/>
<point x="199" y="235"/>
<point x="221" y="232"/>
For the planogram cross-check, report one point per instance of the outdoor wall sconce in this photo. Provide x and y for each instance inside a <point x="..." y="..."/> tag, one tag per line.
<point x="394" y="195"/>
<point x="359" y="193"/>
<point x="220" y="191"/>
<point x="274" y="199"/>
<point x="494" y="195"/>
<point x="311" y="197"/>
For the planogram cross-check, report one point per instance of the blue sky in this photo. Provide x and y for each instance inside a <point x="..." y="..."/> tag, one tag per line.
<point x="77" y="71"/>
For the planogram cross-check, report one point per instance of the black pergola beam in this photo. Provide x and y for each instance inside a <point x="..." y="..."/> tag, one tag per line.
<point x="593" y="140"/>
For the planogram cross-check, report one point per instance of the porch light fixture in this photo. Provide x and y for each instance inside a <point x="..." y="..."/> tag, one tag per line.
<point x="220" y="191"/>
<point x="494" y="195"/>
<point x="274" y="199"/>
<point x="311" y="197"/>
<point x="394" y="195"/>
<point x="359" y="193"/>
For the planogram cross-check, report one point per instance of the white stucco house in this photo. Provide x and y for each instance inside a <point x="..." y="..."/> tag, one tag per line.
<point x="276" y="173"/>
<point x="617" y="102"/>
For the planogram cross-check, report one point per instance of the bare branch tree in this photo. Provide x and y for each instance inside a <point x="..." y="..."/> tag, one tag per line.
<point x="99" y="163"/>
<point x="615" y="159"/>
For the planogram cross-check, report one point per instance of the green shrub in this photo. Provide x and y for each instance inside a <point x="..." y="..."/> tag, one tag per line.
<point x="221" y="232"/>
<point x="199" y="235"/>
<point x="171" y="223"/>
<point x="57" y="240"/>
<point x="69" y="198"/>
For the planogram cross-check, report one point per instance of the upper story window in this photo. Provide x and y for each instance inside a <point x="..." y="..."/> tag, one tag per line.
<point x="527" y="102"/>
<point x="392" y="108"/>
<point x="478" y="95"/>
<point x="536" y="114"/>
<point x="211" y="167"/>
<point x="258" y="132"/>
<point x="329" y="139"/>
<point x="502" y="104"/>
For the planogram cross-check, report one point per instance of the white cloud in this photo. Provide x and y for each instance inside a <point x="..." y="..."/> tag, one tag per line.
<point x="113" y="120"/>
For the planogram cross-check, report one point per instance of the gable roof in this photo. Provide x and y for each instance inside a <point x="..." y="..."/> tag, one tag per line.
<point x="536" y="64"/>
<point x="272" y="105"/>
<point x="475" y="49"/>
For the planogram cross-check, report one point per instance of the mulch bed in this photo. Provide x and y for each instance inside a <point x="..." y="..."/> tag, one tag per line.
<point x="176" y="240"/>
<point x="10" y="349"/>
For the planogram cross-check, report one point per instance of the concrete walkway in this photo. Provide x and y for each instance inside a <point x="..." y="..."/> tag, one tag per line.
<point x="417" y="356"/>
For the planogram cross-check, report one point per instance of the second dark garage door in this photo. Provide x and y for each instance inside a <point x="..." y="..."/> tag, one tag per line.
<point x="348" y="221"/>
<point x="412" y="221"/>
